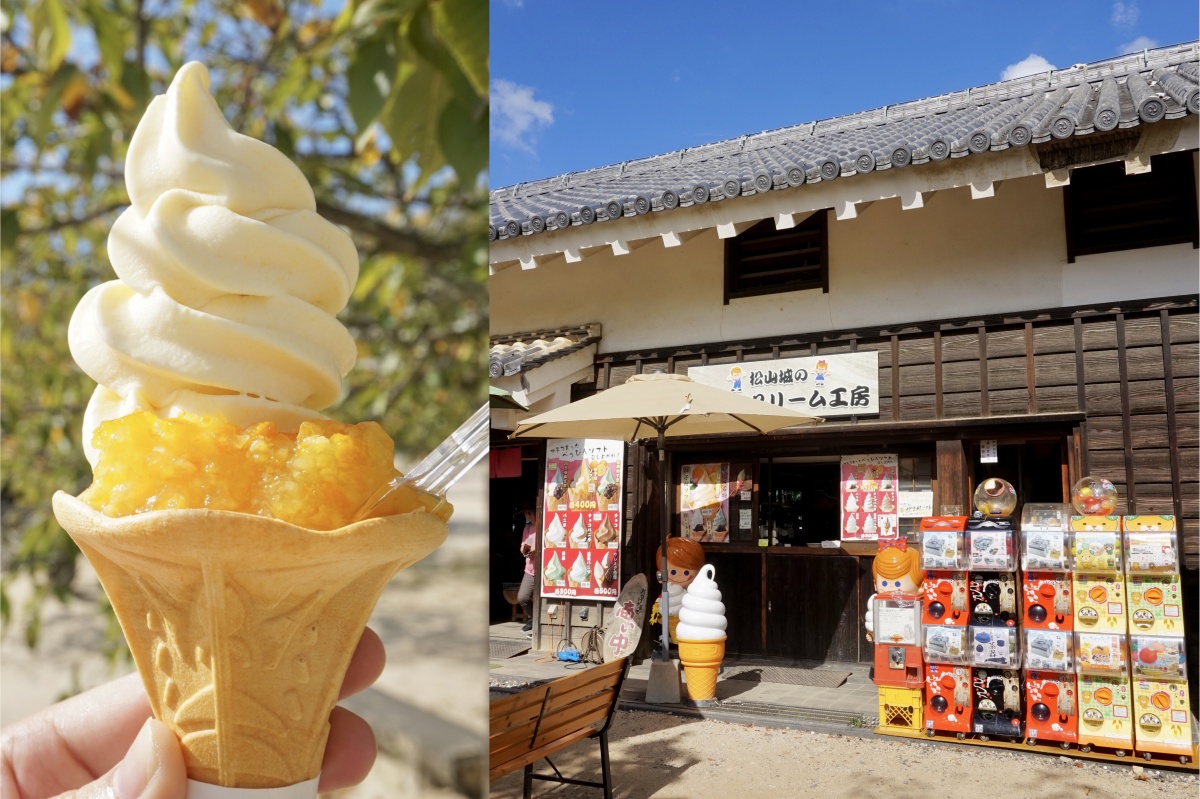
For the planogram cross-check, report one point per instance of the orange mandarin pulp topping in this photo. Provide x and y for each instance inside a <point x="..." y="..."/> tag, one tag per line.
<point x="316" y="477"/>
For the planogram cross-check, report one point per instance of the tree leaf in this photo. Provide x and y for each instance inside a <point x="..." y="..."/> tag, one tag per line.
<point x="411" y="117"/>
<point x="463" y="140"/>
<point x="370" y="76"/>
<point x="43" y="118"/>
<point x="110" y="36"/>
<point x="421" y="35"/>
<point x="463" y="26"/>
<point x="51" y="34"/>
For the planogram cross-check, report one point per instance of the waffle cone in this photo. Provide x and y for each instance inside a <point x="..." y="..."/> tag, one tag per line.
<point x="242" y="626"/>
<point x="701" y="661"/>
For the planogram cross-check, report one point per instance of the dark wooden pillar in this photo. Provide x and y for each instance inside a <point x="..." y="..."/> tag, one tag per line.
<point x="952" y="476"/>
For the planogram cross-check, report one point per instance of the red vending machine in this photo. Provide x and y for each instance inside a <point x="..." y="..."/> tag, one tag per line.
<point x="1046" y="567"/>
<point x="944" y="561"/>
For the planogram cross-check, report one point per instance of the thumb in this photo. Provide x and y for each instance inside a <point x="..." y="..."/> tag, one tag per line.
<point x="153" y="768"/>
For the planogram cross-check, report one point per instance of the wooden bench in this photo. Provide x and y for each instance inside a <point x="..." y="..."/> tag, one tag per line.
<point x="547" y="718"/>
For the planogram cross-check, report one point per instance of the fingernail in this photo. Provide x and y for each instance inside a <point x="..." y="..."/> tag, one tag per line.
<point x="139" y="765"/>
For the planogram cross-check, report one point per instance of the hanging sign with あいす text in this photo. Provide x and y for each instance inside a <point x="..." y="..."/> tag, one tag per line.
<point x="845" y="384"/>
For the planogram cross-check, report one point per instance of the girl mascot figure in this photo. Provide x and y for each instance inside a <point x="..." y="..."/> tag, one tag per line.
<point x="684" y="560"/>
<point x="897" y="570"/>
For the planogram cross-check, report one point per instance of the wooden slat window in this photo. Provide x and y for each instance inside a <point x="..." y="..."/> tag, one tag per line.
<point x="1107" y="210"/>
<point x="763" y="260"/>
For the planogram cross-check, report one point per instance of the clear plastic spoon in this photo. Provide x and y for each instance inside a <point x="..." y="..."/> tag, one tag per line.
<point x="441" y="468"/>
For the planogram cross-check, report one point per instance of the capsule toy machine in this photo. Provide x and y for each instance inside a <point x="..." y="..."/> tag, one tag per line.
<point x="944" y="560"/>
<point x="1152" y="575"/>
<point x="897" y="631"/>
<point x="998" y="710"/>
<point x="947" y="653"/>
<point x="1160" y="697"/>
<point x="1105" y="694"/>
<point x="1098" y="582"/>
<point x="1051" y="691"/>
<point x="992" y="556"/>
<point x="1046" y="567"/>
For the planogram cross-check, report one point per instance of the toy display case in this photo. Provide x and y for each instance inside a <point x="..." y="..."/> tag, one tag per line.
<point x="1052" y="713"/>
<point x="1046" y="563"/>
<point x="948" y="705"/>
<point x="1105" y="695"/>
<point x="944" y="559"/>
<point x="998" y="709"/>
<point x="897" y="632"/>
<point x="996" y="647"/>
<point x="948" y="644"/>
<point x="990" y="545"/>
<point x="1049" y="650"/>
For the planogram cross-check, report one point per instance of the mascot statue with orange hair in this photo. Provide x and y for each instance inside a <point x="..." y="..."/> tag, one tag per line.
<point x="897" y="570"/>
<point x="684" y="560"/>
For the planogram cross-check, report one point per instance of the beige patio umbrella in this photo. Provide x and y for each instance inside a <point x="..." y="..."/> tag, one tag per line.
<point x="658" y="406"/>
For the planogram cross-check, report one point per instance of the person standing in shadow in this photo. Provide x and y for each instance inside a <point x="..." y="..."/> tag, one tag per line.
<point x="529" y="548"/>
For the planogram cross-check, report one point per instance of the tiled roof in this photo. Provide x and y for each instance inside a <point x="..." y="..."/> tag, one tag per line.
<point x="518" y="352"/>
<point x="1118" y="93"/>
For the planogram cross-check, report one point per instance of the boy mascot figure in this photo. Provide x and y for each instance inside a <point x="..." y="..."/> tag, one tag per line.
<point x="684" y="560"/>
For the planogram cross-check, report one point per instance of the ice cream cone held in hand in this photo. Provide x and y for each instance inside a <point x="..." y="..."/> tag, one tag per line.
<point x="219" y="516"/>
<point x="701" y="635"/>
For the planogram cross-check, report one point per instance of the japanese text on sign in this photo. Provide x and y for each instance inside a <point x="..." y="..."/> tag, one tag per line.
<point x="844" y="384"/>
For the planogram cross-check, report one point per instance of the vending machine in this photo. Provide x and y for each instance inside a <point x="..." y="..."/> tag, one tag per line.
<point x="1051" y="693"/>
<point x="897" y="632"/>
<point x="1105" y="695"/>
<point x="998" y="709"/>
<point x="948" y="705"/>
<point x="1156" y="641"/>
<point x="1098" y="581"/>
<point x="1046" y="565"/>
<point x="944" y="561"/>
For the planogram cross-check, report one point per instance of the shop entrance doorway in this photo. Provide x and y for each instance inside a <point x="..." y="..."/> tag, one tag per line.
<point x="507" y="495"/>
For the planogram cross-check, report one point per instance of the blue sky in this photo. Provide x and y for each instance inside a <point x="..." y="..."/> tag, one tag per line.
<point x="579" y="84"/>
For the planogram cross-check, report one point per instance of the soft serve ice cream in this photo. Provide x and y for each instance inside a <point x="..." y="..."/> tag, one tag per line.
<point x="581" y="573"/>
<point x="229" y="279"/>
<point x="702" y="616"/>
<point x="556" y="534"/>
<point x="701" y="635"/>
<point x="216" y="480"/>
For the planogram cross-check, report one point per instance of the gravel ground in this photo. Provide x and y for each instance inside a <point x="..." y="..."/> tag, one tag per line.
<point x="670" y="757"/>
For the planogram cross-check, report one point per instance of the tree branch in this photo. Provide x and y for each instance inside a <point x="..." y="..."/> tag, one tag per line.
<point x="391" y="239"/>
<point x="59" y="224"/>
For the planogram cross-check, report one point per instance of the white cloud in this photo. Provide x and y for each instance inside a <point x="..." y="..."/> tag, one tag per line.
<point x="1125" y="15"/>
<point x="1031" y="65"/>
<point x="516" y="116"/>
<point x="1138" y="45"/>
<point x="515" y="3"/>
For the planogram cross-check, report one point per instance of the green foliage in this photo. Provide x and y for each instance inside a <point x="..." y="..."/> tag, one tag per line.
<point x="382" y="104"/>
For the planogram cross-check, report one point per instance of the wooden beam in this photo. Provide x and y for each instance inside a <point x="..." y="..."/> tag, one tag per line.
<point x="1164" y="321"/>
<point x="1030" y="371"/>
<point x="984" y="409"/>
<point x="937" y="374"/>
<point x="1126" y="433"/>
<point x="895" y="378"/>
<point x="953" y="486"/>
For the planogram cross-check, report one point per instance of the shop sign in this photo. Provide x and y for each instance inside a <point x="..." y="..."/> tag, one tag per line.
<point x="823" y="385"/>
<point x="869" y="497"/>
<point x="581" y="525"/>
<point x="914" y="504"/>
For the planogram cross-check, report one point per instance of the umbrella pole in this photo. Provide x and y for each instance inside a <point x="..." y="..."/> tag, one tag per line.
<point x="664" y="686"/>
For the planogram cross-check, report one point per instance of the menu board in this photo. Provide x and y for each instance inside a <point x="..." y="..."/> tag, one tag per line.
<point x="581" y="528"/>
<point x="869" y="497"/>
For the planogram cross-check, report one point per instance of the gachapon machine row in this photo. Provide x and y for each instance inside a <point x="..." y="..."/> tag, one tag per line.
<point x="1105" y="695"/>
<point x="1156" y="641"/>
<point x="1098" y="582"/>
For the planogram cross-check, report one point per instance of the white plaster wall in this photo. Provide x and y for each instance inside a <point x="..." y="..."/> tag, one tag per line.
<point x="953" y="257"/>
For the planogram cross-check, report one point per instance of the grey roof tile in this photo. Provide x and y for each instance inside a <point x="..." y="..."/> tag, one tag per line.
<point x="514" y="353"/>
<point x="1124" y="92"/>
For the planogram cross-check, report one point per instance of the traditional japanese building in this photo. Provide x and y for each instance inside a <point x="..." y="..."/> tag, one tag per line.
<point x="1001" y="282"/>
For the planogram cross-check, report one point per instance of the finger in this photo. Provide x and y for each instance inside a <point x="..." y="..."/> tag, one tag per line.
<point x="350" y="752"/>
<point x="152" y="769"/>
<point x="73" y="742"/>
<point x="366" y="664"/>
